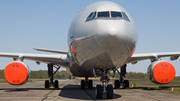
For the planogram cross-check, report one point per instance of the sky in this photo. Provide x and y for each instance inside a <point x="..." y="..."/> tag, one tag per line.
<point x="28" y="24"/>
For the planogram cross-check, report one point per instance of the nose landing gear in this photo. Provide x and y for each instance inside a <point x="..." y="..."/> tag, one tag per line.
<point x="100" y="90"/>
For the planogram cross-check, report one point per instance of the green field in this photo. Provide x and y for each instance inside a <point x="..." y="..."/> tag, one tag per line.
<point x="2" y="80"/>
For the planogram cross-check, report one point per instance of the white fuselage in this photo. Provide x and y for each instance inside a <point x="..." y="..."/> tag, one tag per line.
<point x="104" y="42"/>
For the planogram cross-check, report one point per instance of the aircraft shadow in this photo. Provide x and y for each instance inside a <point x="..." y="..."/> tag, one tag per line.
<point x="68" y="91"/>
<point x="75" y="92"/>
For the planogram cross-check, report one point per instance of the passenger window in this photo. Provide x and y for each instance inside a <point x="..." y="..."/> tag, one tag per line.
<point x="88" y="18"/>
<point x="103" y="14"/>
<point x="93" y="16"/>
<point x="125" y="16"/>
<point x="116" y="14"/>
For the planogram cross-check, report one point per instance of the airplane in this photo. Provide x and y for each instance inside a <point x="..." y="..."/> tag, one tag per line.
<point x="101" y="38"/>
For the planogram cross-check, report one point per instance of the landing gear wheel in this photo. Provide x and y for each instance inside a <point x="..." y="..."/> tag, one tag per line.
<point x="98" y="92"/>
<point x="82" y="84"/>
<point x="47" y="84"/>
<point x="56" y="84"/>
<point x="90" y="84"/>
<point x="126" y="82"/>
<point x="51" y="82"/>
<point x="109" y="92"/>
<point x="116" y="84"/>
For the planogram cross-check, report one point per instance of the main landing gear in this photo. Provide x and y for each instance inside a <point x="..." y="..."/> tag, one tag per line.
<point x="100" y="90"/>
<point x="122" y="83"/>
<point x="87" y="82"/>
<point x="49" y="83"/>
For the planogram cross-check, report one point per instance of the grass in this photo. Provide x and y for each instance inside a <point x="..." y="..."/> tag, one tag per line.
<point x="2" y="80"/>
<point x="30" y="80"/>
<point x="146" y="84"/>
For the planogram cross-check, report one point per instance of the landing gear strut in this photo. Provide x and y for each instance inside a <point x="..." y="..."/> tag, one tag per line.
<point x="122" y="83"/>
<point x="49" y="83"/>
<point x="100" y="90"/>
<point x="86" y="83"/>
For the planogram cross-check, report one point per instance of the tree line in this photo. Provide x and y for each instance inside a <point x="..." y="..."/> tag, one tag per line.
<point x="131" y="75"/>
<point x="43" y="74"/>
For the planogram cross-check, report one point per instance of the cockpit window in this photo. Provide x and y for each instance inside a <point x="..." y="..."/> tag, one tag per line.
<point x="107" y="14"/>
<point x="103" y="14"/>
<point x="116" y="14"/>
<point x="125" y="16"/>
<point x="88" y="18"/>
<point x="93" y="16"/>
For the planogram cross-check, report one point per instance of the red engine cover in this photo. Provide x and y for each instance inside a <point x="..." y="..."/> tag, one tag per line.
<point x="161" y="72"/>
<point x="16" y="73"/>
<point x="164" y="72"/>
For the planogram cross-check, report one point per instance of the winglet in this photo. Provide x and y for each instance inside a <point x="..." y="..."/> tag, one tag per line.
<point x="52" y="51"/>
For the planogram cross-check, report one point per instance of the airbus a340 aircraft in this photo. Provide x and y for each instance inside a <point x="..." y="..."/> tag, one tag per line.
<point x="101" y="38"/>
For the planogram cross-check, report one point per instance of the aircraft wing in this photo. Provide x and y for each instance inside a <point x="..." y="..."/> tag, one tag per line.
<point x="52" y="51"/>
<point x="60" y="59"/>
<point x="139" y="57"/>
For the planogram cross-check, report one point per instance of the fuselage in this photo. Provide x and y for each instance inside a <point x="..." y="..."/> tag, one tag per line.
<point x="103" y="35"/>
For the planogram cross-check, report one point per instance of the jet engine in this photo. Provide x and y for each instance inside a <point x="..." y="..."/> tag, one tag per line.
<point x="161" y="72"/>
<point x="16" y="73"/>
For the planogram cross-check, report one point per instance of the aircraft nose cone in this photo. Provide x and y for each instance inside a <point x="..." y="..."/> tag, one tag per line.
<point x="112" y="31"/>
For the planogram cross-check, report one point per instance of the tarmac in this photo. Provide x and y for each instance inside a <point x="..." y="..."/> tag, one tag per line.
<point x="69" y="90"/>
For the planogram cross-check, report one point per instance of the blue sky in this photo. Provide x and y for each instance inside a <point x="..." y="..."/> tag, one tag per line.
<point x="28" y="24"/>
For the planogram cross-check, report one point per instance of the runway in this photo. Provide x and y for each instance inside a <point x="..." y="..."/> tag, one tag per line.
<point x="69" y="90"/>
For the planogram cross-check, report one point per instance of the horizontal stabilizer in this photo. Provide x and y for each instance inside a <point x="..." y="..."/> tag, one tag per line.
<point x="52" y="51"/>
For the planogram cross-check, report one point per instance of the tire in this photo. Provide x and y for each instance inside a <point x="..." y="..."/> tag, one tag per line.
<point x="109" y="92"/>
<point x="82" y="84"/>
<point x="116" y="84"/>
<point x="56" y="85"/>
<point x="126" y="83"/>
<point x="47" y="84"/>
<point x="98" y="92"/>
<point x="90" y="84"/>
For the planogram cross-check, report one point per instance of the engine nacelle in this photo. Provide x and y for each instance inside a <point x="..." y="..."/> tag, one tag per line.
<point x="16" y="73"/>
<point x="161" y="72"/>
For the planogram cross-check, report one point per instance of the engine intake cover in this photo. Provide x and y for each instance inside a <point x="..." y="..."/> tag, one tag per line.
<point x="16" y="73"/>
<point x="161" y="72"/>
